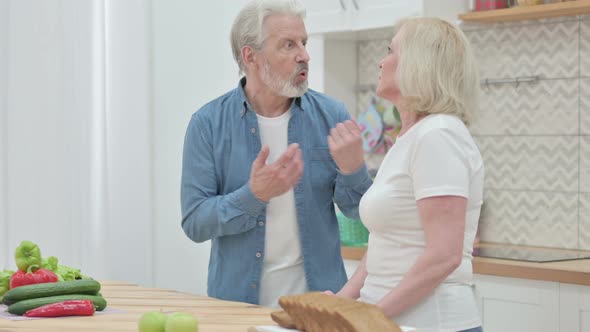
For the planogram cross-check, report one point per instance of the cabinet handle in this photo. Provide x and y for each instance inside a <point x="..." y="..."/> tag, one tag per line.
<point x="356" y="5"/>
<point x="343" y="5"/>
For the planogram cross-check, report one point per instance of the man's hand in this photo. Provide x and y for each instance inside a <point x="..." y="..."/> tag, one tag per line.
<point x="346" y="146"/>
<point x="268" y="181"/>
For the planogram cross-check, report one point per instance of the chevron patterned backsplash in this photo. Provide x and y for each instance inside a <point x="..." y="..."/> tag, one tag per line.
<point x="534" y="137"/>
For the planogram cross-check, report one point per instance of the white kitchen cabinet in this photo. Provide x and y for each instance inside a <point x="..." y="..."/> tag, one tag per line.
<point x="355" y="15"/>
<point x="510" y="304"/>
<point x="370" y="14"/>
<point x="574" y="308"/>
<point x="327" y="15"/>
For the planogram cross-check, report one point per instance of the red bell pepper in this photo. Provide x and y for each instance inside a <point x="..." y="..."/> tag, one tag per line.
<point x="20" y="278"/>
<point x="65" y="308"/>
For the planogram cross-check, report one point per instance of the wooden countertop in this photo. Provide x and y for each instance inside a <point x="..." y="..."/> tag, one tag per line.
<point x="213" y="315"/>
<point x="571" y="272"/>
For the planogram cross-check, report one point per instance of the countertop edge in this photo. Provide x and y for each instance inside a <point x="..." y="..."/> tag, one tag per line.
<point x="508" y="268"/>
<point x="498" y="267"/>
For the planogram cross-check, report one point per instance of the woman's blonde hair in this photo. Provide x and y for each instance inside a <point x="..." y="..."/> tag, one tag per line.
<point x="436" y="70"/>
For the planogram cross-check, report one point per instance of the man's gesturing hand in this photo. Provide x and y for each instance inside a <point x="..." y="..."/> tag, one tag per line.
<point x="346" y="146"/>
<point x="268" y="181"/>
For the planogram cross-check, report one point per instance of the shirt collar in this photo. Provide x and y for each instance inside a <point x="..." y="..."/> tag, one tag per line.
<point x="246" y="105"/>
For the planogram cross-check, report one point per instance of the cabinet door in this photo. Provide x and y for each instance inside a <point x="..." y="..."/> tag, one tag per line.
<point x="383" y="13"/>
<point x="574" y="301"/>
<point x="371" y="14"/>
<point x="510" y="304"/>
<point x="327" y="15"/>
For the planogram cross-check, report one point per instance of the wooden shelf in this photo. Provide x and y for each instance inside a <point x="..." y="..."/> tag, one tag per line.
<point x="569" y="8"/>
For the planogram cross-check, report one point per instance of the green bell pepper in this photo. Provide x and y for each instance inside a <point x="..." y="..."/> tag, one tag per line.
<point x="27" y="254"/>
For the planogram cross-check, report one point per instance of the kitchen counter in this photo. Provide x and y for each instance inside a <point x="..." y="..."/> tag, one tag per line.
<point x="132" y="301"/>
<point x="571" y="272"/>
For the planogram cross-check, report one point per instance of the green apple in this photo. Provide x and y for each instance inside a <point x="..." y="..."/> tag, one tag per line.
<point x="153" y="321"/>
<point x="181" y="322"/>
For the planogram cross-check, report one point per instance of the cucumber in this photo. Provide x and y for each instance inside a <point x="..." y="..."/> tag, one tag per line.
<point x="21" y="307"/>
<point x="89" y="287"/>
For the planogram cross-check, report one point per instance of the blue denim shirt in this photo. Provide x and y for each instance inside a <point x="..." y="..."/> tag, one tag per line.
<point x="222" y="141"/>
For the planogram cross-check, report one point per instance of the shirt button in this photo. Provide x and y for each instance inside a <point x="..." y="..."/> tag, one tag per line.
<point x="258" y="255"/>
<point x="242" y="113"/>
<point x="253" y="130"/>
<point x="261" y="223"/>
<point x="253" y="285"/>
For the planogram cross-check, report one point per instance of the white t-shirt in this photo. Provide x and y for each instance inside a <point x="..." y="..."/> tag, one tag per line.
<point x="283" y="272"/>
<point x="436" y="156"/>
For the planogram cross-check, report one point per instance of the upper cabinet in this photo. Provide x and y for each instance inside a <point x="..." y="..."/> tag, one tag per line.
<point x="354" y="15"/>
<point x="369" y="14"/>
<point x="327" y="15"/>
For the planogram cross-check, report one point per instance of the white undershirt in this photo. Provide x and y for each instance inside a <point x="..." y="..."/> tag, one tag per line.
<point x="437" y="156"/>
<point x="283" y="272"/>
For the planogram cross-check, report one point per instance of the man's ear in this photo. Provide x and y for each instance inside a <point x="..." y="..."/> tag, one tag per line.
<point x="248" y="56"/>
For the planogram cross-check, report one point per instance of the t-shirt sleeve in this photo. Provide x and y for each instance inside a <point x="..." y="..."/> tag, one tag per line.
<point x="439" y="166"/>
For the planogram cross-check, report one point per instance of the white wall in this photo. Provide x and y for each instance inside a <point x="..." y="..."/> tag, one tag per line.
<point x="3" y="62"/>
<point x="76" y="128"/>
<point x="130" y="138"/>
<point x="340" y="81"/>
<point x="192" y="65"/>
<point x="46" y="129"/>
<point x="315" y="49"/>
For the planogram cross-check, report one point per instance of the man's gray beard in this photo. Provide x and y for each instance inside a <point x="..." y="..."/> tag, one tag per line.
<point x="284" y="87"/>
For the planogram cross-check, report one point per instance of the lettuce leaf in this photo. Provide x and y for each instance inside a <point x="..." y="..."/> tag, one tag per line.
<point x="68" y="273"/>
<point x="64" y="273"/>
<point x="5" y="281"/>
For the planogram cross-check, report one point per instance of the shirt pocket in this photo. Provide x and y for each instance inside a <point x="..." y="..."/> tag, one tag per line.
<point x="323" y="169"/>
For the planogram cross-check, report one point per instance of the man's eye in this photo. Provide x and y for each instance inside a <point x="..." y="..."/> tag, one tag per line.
<point x="388" y="50"/>
<point x="289" y="45"/>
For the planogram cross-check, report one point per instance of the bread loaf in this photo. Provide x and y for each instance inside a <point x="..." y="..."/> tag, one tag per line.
<point x="283" y="319"/>
<point x="319" y="312"/>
